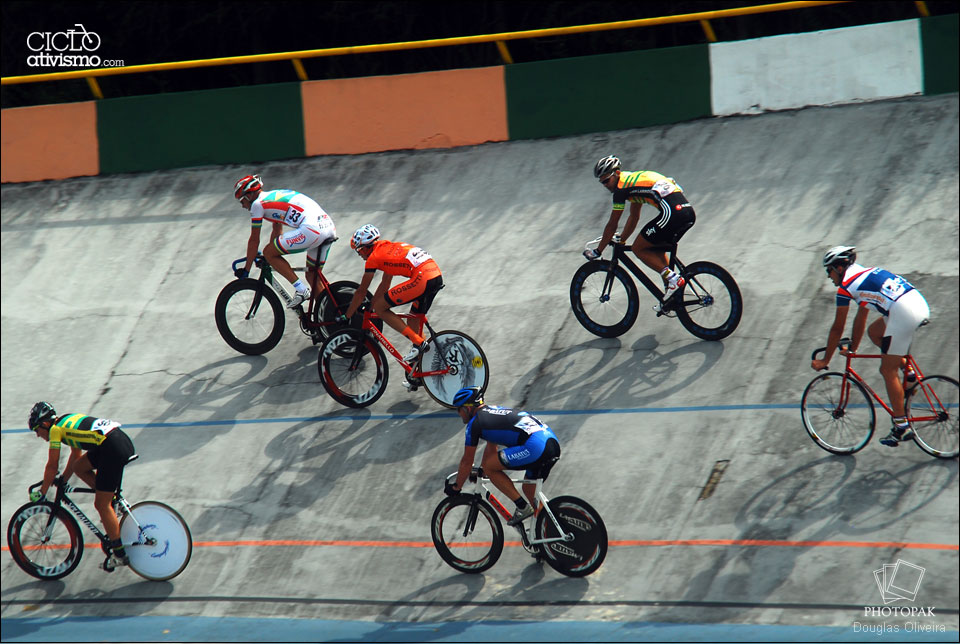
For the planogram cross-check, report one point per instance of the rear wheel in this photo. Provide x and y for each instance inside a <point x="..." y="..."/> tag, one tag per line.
<point x="327" y="310"/>
<point x="45" y="540"/>
<point x="837" y="413"/>
<point x="604" y="302"/>
<point x="462" y="359"/>
<point x="585" y="552"/>
<point x="249" y="316"/>
<point x="933" y="412"/>
<point x="157" y="540"/>
<point x="709" y="305"/>
<point x="353" y="368"/>
<point x="467" y="533"/>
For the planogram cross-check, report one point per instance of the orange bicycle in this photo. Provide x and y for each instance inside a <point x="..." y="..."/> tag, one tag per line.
<point x="839" y="414"/>
<point x="353" y="366"/>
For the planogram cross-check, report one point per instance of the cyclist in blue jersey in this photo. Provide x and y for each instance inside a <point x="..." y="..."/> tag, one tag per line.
<point x="528" y="444"/>
<point x="903" y="310"/>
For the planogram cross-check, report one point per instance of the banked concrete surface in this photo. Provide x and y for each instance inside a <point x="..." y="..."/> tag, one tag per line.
<point x="108" y="285"/>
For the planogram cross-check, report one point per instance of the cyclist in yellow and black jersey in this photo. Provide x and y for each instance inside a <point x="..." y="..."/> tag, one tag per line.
<point x="99" y="450"/>
<point x="675" y="218"/>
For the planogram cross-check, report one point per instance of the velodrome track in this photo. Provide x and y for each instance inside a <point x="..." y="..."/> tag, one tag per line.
<point x="304" y="510"/>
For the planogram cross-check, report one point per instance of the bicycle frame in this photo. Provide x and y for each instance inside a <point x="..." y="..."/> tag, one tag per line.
<point x="370" y="327"/>
<point x="527" y="534"/>
<point x="620" y="256"/>
<point x="267" y="277"/>
<point x="62" y="500"/>
<point x="850" y="372"/>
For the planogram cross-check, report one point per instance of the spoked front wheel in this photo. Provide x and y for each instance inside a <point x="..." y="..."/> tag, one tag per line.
<point x="709" y="305"/>
<point x="605" y="302"/>
<point x="467" y="533"/>
<point x="353" y="368"/>
<point x="45" y="540"/>
<point x="462" y="360"/>
<point x="585" y="552"/>
<point x="933" y="412"/>
<point x="157" y="540"/>
<point x="249" y="316"/>
<point x="837" y="413"/>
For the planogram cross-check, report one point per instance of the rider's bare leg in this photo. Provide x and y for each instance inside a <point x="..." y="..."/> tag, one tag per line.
<point x="394" y="321"/>
<point x="655" y="259"/>
<point x="278" y="262"/>
<point x="890" y="366"/>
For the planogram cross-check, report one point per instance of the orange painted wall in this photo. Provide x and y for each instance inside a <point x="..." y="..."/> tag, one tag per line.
<point x="411" y="111"/>
<point x="49" y="142"/>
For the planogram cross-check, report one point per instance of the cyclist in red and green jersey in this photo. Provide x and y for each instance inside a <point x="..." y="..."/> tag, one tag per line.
<point x="675" y="218"/>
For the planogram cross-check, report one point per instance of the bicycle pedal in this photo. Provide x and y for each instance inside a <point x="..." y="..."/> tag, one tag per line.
<point x="106" y="565"/>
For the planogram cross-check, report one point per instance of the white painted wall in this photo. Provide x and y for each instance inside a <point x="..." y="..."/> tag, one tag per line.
<point x="819" y="68"/>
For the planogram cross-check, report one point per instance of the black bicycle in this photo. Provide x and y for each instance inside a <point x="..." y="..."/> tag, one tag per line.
<point x="250" y="315"/>
<point x="45" y="540"/>
<point x="606" y="302"/>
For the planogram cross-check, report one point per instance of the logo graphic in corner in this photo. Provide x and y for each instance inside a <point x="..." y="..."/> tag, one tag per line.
<point x="899" y="581"/>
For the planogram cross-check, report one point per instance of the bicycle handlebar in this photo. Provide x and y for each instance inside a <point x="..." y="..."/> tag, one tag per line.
<point x="257" y="261"/>
<point x="843" y="345"/>
<point x="56" y="483"/>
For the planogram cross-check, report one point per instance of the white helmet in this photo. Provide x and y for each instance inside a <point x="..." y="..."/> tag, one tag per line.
<point x="845" y="255"/>
<point x="365" y="235"/>
<point x="606" y="166"/>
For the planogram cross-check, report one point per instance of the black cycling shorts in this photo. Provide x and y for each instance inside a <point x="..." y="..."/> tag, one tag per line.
<point x="675" y="219"/>
<point x="109" y="458"/>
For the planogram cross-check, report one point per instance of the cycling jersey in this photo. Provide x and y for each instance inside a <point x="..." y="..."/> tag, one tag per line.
<point x="874" y="287"/>
<point x="397" y="258"/>
<point x="504" y="426"/>
<point x="78" y="430"/>
<point x="644" y="186"/>
<point x="290" y="208"/>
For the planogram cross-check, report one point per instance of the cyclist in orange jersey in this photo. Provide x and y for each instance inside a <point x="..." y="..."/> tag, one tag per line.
<point x="423" y="282"/>
<point x="676" y="216"/>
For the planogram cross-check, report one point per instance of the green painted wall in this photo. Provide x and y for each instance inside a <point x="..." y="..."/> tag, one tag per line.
<point x="235" y="125"/>
<point x="939" y="37"/>
<point x="608" y="92"/>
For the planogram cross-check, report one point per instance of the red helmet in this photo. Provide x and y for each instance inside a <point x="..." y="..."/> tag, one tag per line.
<point x="250" y="183"/>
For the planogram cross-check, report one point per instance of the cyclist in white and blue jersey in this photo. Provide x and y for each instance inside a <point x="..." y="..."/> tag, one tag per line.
<point x="903" y="310"/>
<point x="529" y="444"/>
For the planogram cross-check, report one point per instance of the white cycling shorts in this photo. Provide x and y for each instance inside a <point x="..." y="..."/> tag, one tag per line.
<point x="905" y="317"/>
<point x="315" y="239"/>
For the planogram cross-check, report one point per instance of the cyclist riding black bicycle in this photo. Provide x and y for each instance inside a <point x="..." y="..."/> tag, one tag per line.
<point x="99" y="450"/>
<point x="675" y="219"/>
<point x="529" y="444"/>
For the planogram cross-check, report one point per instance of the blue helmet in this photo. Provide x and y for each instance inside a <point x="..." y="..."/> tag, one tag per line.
<point x="468" y="396"/>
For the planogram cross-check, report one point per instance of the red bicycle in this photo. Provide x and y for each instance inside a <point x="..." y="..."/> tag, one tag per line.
<point x="839" y="415"/>
<point x="250" y="315"/>
<point x="353" y="365"/>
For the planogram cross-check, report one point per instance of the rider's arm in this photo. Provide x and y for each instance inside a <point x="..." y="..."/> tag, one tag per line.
<point x="253" y="246"/>
<point x="466" y="464"/>
<point x="836" y="332"/>
<point x="360" y="293"/>
<point x="384" y="285"/>
<point x="632" y="220"/>
<point x="50" y="471"/>
<point x="859" y="324"/>
<point x="610" y="229"/>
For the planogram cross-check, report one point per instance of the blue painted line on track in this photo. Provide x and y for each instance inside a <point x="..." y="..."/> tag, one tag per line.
<point x="449" y="414"/>
<point x="249" y="629"/>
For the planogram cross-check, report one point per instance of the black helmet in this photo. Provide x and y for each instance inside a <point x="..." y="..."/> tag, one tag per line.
<point x="606" y="166"/>
<point x="40" y="412"/>
<point x="468" y="396"/>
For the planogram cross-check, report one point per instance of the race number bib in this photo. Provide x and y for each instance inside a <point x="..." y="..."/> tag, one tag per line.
<point x="894" y="287"/>
<point x="417" y="256"/>
<point x="529" y="425"/>
<point x="665" y="187"/>
<point x="294" y="216"/>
